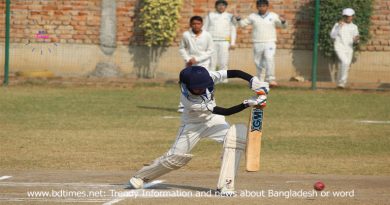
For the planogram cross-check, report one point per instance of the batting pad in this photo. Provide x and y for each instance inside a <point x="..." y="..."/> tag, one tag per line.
<point x="163" y="165"/>
<point x="234" y="146"/>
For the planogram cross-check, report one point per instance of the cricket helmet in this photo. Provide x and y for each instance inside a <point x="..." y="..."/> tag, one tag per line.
<point x="195" y="77"/>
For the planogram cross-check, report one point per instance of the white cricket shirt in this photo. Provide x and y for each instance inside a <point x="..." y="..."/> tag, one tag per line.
<point x="200" y="47"/>
<point x="344" y="35"/>
<point x="197" y="108"/>
<point x="264" y="26"/>
<point x="221" y="26"/>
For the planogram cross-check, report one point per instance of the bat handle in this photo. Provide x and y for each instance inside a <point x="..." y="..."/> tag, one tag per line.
<point x="260" y="106"/>
<point x="261" y="92"/>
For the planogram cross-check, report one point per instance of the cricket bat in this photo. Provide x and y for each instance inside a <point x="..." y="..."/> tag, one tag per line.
<point x="253" y="146"/>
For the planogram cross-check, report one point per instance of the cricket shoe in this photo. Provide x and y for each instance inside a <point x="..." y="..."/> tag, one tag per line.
<point x="340" y="87"/>
<point x="225" y="193"/>
<point x="180" y="110"/>
<point x="135" y="183"/>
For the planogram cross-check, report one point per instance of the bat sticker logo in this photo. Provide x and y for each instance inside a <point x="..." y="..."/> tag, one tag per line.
<point x="257" y="120"/>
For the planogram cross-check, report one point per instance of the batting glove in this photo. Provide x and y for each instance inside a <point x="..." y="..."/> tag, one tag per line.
<point x="260" y="88"/>
<point x="260" y="101"/>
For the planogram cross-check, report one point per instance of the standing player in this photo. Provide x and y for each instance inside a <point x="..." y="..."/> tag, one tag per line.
<point x="197" y="46"/>
<point x="221" y="26"/>
<point x="202" y="118"/>
<point x="345" y="34"/>
<point x="264" y="37"/>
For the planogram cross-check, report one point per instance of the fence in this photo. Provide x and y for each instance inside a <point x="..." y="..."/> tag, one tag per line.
<point x="102" y="37"/>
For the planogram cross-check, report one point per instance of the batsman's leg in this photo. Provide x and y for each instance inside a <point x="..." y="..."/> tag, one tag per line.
<point x="159" y="167"/>
<point x="175" y="158"/>
<point x="234" y="146"/>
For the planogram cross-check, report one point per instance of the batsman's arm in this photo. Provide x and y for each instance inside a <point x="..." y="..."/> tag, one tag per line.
<point x="257" y="101"/>
<point x="229" y="111"/>
<point x="261" y="88"/>
<point x="239" y="74"/>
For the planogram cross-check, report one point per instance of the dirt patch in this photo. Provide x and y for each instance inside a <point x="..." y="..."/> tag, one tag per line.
<point x="180" y="186"/>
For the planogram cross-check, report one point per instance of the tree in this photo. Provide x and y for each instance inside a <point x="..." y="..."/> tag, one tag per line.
<point x="159" y="21"/>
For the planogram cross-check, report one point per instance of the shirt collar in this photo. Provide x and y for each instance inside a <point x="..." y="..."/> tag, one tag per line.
<point x="265" y="15"/>
<point x="193" y="34"/>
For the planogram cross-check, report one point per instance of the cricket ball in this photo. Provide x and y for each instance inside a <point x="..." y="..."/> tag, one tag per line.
<point x="319" y="186"/>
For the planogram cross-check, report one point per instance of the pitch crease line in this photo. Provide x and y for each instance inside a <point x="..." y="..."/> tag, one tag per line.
<point x="5" y="177"/>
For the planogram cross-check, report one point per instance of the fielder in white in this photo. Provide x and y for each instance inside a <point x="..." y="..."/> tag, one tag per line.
<point x="264" y="38"/>
<point x="196" y="46"/>
<point x="221" y="25"/>
<point x="344" y="33"/>
<point x="202" y="118"/>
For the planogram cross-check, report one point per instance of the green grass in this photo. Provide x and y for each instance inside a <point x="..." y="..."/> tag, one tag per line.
<point x="305" y="131"/>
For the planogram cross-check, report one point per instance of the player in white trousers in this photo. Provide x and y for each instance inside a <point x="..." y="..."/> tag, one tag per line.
<point x="196" y="47"/>
<point x="264" y="38"/>
<point x="202" y="118"/>
<point x="221" y="25"/>
<point x="344" y="33"/>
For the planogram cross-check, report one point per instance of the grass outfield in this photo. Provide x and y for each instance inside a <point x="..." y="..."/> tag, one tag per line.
<point x="68" y="128"/>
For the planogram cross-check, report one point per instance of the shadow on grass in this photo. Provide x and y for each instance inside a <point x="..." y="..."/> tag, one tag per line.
<point x="158" y="108"/>
<point x="175" y="186"/>
<point x="385" y="86"/>
<point x="164" y="186"/>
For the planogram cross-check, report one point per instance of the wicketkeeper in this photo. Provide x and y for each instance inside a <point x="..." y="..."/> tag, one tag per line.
<point x="202" y="118"/>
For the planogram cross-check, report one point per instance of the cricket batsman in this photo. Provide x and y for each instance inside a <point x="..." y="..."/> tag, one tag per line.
<point x="202" y="118"/>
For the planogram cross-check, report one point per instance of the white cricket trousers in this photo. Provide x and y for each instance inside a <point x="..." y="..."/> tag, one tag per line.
<point x="264" y="54"/>
<point x="220" y="56"/>
<point x="190" y="134"/>
<point x="345" y="55"/>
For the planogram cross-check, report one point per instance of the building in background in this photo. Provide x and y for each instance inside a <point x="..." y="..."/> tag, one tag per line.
<point x="75" y="26"/>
